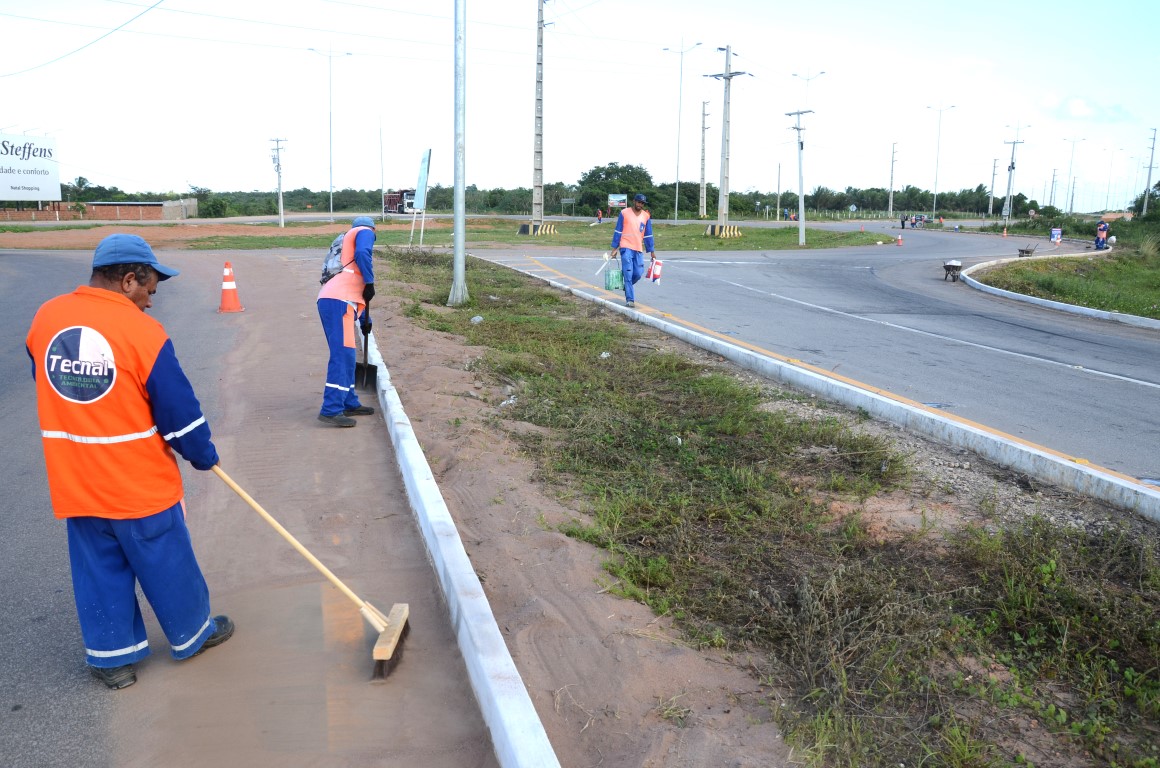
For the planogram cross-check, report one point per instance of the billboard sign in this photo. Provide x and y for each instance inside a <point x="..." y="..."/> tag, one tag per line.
<point x="29" y="169"/>
<point x="617" y="201"/>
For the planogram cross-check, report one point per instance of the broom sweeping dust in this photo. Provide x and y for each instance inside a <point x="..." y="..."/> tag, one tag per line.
<point x="391" y="629"/>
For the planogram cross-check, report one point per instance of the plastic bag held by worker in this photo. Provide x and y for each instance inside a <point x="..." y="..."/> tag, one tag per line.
<point x="654" y="270"/>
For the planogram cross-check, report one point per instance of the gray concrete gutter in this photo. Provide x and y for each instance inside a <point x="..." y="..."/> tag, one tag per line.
<point x="1058" y="469"/>
<point x="517" y="733"/>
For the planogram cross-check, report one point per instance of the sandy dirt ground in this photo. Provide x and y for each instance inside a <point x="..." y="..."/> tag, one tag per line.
<point x="613" y="684"/>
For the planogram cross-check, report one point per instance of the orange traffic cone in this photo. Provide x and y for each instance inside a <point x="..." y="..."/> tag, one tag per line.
<point x="1004" y="231"/>
<point x="862" y="228"/>
<point x="230" y="301"/>
<point x="900" y="240"/>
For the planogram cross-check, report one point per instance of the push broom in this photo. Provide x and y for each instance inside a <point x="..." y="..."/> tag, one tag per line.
<point x="391" y="629"/>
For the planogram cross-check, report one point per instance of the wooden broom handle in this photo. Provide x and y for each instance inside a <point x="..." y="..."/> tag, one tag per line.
<point x="290" y="538"/>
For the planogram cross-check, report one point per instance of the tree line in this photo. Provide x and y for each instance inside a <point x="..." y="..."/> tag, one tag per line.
<point x="587" y="195"/>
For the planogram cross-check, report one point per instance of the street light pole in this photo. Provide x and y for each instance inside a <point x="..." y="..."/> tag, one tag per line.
<point x="680" y="95"/>
<point x="937" y="147"/>
<point x="807" y="77"/>
<point x="329" y="54"/>
<point x="890" y="200"/>
<point x="1070" y="178"/>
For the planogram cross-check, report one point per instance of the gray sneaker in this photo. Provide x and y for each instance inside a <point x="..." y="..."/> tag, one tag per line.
<point x="630" y="303"/>
<point x="338" y="420"/>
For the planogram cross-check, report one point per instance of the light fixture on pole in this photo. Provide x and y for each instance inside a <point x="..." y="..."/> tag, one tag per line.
<point x="680" y="94"/>
<point x="937" y="147"/>
<point x="807" y="77"/>
<point x="329" y="54"/>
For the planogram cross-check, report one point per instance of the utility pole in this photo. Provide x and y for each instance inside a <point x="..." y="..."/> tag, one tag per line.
<point x="1148" y="188"/>
<point x="1051" y="200"/>
<point x="1010" y="179"/>
<point x="278" y="169"/>
<point x="459" y="295"/>
<point x="991" y="197"/>
<point x="723" y="193"/>
<point x="890" y="200"/>
<point x="538" y="153"/>
<point x="701" y="211"/>
<point x="801" y="178"/>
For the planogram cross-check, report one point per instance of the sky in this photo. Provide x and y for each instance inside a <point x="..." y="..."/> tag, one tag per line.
<point x="152" y="96"/>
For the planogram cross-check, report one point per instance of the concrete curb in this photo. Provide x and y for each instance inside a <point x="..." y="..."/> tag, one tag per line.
<point x="1067" y="472"/>
<point x="517" y="733"/>
<point x="1117" y="317"/>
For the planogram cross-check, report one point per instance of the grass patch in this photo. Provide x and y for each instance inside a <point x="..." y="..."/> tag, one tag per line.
<point x="1127" y="280"/>
<point x="717" y="507"/>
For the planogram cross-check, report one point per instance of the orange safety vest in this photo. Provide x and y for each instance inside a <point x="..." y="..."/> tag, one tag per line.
<point x="632" y="236"/>
<point x="94" y="351"/>
<point x="348" y="284"/>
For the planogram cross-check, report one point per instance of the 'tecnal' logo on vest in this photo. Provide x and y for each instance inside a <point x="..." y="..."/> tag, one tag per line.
<point x="79" y="365"/>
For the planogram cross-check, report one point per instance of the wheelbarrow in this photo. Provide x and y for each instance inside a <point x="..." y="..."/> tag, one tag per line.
<point x="952" y="269"/>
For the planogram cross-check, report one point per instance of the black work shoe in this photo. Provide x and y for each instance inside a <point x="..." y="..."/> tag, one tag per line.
<point x="115" y="677"/>
<point x="362" y="410"/>
<point x="224" y="630"/>
<point x="338" y="420"/>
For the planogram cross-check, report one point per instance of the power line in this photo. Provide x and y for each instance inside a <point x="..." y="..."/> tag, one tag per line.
<point x="86" y="45"/>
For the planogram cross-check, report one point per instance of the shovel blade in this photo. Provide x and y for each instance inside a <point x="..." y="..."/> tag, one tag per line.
<point x="366" y="377"/>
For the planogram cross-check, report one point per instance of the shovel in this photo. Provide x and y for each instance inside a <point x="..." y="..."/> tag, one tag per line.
<point x="366" y="376"/>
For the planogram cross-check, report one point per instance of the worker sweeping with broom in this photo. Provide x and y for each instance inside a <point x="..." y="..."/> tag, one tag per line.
<point x="114" y="405"/>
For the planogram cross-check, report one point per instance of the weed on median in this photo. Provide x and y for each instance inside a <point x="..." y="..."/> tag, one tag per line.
<point x="1006" y="641"/>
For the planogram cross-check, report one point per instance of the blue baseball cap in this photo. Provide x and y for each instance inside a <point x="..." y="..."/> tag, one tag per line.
<point x="129" y="249"/>
<point x="363" y="221"/>
<point x="640" y="197"/>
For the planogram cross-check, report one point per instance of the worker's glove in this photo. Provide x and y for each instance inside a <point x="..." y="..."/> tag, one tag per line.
<point x="365" y="324"/>
<point x="368" y="293"/>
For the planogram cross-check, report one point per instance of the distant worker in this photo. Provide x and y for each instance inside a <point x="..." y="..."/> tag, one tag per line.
<point x="1101" y="235"/>
<point x="599" y="215"/>
<point x="114" y="405"/>
<point x="345" y="298"/>
<point x="632" y="238"/>
<point x="902" y="222"/>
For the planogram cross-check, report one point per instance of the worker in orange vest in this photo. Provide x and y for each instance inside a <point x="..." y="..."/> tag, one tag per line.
<point x="631" y="239"/>
<point x="114" y="406"/>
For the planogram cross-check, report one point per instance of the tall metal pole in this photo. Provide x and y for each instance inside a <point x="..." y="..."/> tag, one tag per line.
<point x="937" y="146"/>
<point x="991" y="196"/>
<point x="890" y="199"/>
<point x="538" y="152"/>
<point x="680" y="94"/>
<point x="278" y="169"/>
<point x="1148" y="188"/>
<point x="459" y="295"/>
<point x="1070" y="178"/>
<point x="801" y="177"/>
<point x="701" y="209"/>
<point x="723" y="193"/>
<point x="330" y="54"/>
<point x="1051" y="200"/>
<point x="1010" y="180"/>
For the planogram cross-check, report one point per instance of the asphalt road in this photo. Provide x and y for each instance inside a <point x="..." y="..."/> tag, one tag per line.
<point x="885" y="318"/>
<point x="294" y="686"/>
